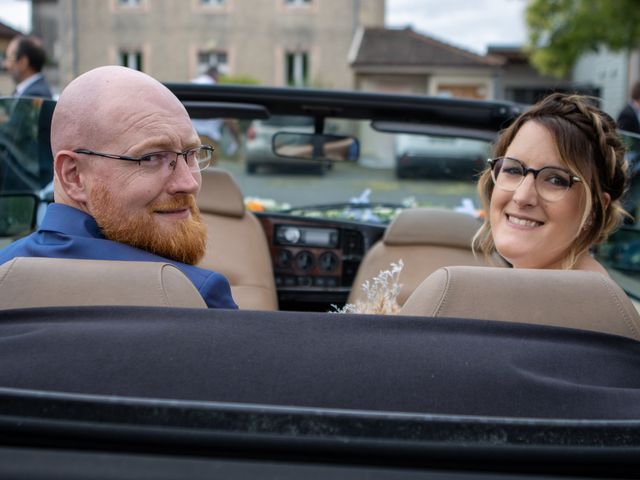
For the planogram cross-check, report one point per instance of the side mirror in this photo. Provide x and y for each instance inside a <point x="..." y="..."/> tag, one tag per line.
<point x="315" y="146"/>
<point x="17" y="214"/>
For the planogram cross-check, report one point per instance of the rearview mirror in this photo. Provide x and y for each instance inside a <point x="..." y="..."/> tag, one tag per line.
<point x="17" y="214"/>
<point x="315" y="146"/>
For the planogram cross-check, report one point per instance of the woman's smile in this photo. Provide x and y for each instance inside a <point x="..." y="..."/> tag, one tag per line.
<point x="518" y="221"/>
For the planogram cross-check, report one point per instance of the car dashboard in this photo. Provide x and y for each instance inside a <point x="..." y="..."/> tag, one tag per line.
<point x="315" y="260"/>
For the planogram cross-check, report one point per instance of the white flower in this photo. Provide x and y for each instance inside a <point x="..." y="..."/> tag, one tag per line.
<point x="381" y="293"/>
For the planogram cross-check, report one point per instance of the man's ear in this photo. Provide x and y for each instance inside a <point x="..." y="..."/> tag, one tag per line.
<point x="67" y="171"/>
<point x="22" y="62"/>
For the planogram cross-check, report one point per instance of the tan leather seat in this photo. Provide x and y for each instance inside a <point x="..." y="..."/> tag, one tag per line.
<point x="237" y="246"/>
<point x="425" y="239"/>
<point x="49" y="282"/>
<point x="565" y="298"/>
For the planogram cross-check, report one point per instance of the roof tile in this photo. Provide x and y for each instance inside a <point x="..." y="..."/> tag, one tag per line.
<point x="405" y="47"/>
<point x="8" y="32"/>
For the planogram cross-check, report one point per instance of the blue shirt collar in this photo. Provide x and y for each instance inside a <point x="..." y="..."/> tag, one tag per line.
<point x="71" y="221"/>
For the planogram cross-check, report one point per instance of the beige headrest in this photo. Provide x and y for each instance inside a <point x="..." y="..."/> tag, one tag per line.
<point x="431" y="226"/>
<point x="565" y="298"/>
<point x="49" y="282"/>
<point x="220" y="194"/>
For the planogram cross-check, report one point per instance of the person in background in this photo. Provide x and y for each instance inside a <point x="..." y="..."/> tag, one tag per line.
<point x="554" y="187"/>
<point x="211" y="128"/>
<point x="24" y="59"/>
<point x="209" y="76"/>
<point x="127" y="165"/>
<point x="629" y="118"/>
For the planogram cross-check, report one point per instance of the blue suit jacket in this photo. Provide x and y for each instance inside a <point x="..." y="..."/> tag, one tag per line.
<point x="70" y="233"/>
<point x="39" y="88"/>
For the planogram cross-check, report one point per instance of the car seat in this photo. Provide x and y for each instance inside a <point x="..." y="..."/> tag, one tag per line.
<point x="564" y="298"/>
<point x="27" y="282"/>
<point x="237" y="246"/>
<point x="425" y="239"/>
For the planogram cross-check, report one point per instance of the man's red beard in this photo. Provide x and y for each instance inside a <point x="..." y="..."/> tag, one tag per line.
<point x="185" y="242"/>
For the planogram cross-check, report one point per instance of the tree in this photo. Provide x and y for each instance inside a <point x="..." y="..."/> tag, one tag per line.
<point x="560" y="31"/>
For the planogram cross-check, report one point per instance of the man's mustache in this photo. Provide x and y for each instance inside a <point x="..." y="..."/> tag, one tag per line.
<point x="179" y="202"/>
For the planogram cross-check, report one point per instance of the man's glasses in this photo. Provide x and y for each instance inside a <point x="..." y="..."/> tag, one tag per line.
<point x="197" y="159"/>
<point x="551" y="183"/>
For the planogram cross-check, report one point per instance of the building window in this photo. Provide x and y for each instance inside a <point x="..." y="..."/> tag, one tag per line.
<point x="131" y="60"/>
<point x="297" y="3"/>
<point x="129" y="3"/>
<point x="213" y="58"/>
<point x="297" y="68"/>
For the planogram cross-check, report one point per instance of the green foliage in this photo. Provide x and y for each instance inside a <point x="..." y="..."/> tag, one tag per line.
<point x="238" y="80"/>
<point x="562" y="30"/>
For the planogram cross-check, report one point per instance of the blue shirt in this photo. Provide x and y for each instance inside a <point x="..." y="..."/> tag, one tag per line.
<point x="67" y="232"/>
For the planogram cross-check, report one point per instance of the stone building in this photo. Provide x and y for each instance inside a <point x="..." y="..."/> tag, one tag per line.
<point x="273" y="42"/>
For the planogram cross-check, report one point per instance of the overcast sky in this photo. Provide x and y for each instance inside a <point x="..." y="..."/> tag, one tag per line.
<point x="16" y="14"/>
<point x="471" y="24"/>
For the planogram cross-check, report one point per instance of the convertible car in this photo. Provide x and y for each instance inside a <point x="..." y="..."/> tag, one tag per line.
<point x="454" y="369"/>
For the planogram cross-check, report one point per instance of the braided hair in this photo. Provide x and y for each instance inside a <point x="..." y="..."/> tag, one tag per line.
<point x="591" y="149"/>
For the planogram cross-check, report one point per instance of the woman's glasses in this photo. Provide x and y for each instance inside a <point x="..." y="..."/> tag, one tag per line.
<point x="551" y="183"/>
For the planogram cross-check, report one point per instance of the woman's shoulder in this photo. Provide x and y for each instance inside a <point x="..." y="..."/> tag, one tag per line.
<point x="590" y="264"/>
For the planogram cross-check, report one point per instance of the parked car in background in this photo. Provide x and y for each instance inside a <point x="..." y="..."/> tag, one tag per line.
<point x="439" y="157"/>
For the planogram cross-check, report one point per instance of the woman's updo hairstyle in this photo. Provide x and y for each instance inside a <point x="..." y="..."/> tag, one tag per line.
<point x="590" y="147"/>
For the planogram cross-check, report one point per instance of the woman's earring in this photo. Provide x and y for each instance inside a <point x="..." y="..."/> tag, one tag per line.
<point x="588" y="224"/>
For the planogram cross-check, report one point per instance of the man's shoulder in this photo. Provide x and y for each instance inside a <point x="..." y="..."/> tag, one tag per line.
<point x="199" y="276"/>
<point x="625" y="111"/>
<point x="213" y="286"/>
<point x="628" y="118"/>
<point x="19" y="248"/>
<point x="65" y="245"/>
<point x="39" y="88"/>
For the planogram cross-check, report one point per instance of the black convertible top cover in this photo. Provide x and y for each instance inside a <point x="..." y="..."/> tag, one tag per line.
<point x="394" y="364"/>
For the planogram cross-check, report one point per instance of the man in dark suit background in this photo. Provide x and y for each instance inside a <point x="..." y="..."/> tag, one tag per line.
<point x="629" y="118"/>
<point x="24" y="59"/>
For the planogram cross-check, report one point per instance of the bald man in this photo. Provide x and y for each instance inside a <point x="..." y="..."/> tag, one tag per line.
<point x="127" y="165"/>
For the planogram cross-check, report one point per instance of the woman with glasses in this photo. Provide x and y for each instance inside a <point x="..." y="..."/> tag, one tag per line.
<point x="553" y="189"/>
